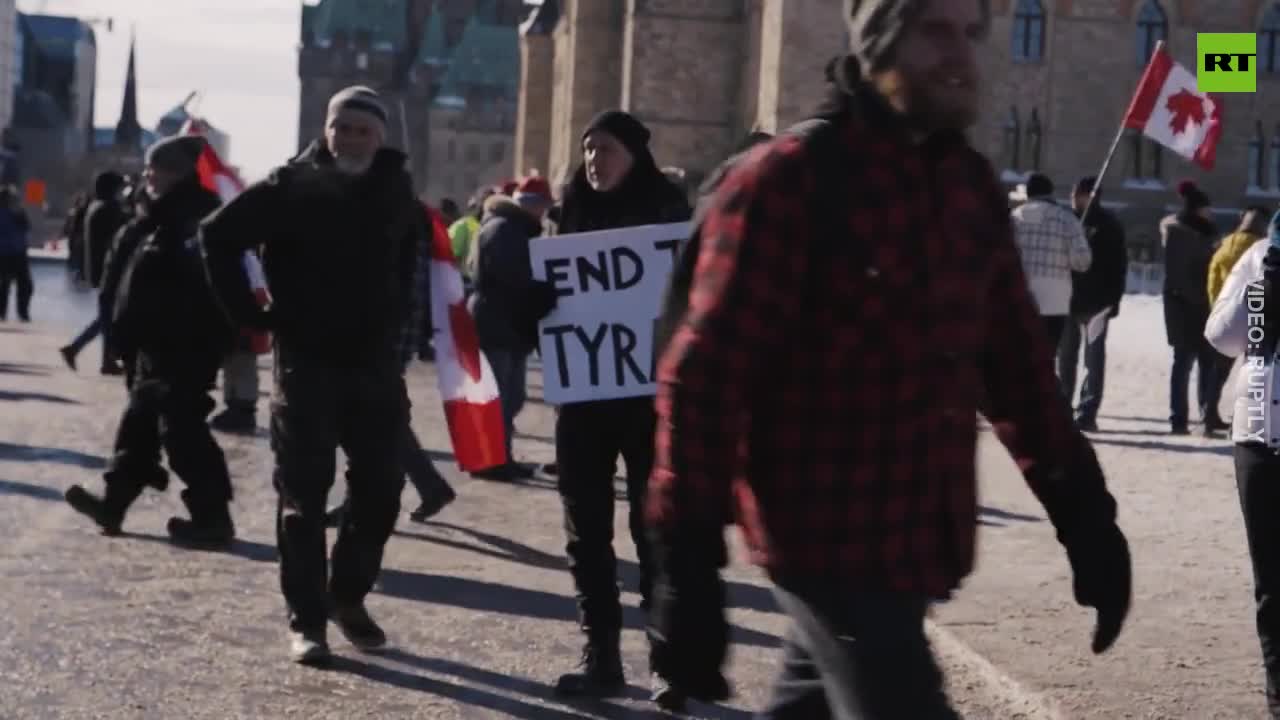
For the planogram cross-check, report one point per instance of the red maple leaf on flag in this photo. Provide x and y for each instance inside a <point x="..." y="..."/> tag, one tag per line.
<point x="1184" y="109"/>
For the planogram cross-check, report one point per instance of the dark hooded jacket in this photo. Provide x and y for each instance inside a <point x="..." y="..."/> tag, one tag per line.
<point x="1189" y="243"/>
<point x="339" y="253"/>
<point x="645" y="197"/>
<point x="104" y="218"/>
<point x="164" y="306"/>
<point x="508" y="302"/>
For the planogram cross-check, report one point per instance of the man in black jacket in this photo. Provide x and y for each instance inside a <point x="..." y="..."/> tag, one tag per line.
<point x="104" y="218"/>
<point x="166" y="318"/>
<point x="508" y="303"/>
<point x="1097" y="290"/>
<point x="338" y="230"/>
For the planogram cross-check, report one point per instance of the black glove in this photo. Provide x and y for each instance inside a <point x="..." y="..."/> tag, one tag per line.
<point x="688" y="628"/>
<point x="1083" y="512"/>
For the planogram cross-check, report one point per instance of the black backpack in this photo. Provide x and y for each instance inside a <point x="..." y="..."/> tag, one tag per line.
<point x="818" y="135"/>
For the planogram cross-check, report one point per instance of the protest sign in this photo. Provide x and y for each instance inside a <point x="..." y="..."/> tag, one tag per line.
<point x="598" y="342"/>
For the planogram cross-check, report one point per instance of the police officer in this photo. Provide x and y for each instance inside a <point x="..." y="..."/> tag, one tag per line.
<point x="338" y="228"/>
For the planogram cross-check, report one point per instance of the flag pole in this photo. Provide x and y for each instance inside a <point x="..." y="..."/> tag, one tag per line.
<point x="1115" y="144"/>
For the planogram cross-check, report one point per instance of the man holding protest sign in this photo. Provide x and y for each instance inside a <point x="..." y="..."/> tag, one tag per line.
<point x="618" y="186"/>
<point x="853" y="307"/>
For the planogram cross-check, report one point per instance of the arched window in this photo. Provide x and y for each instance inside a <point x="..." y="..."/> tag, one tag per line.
<point x="1157" y="160"/>
<point x="1012" y="140"/>
<point x="1033" y="140"/>
<point x="1256" y="163"/>
<point x="1028" y="31"/>
<point x="1269" y="40"/>
<point x="1153" y="26"/>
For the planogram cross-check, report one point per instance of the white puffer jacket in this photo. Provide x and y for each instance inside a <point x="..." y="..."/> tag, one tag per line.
<point x="1235" y="328"/>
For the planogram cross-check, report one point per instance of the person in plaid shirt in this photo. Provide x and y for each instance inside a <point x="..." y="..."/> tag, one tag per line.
<point x="1052" y="244"/>
<point x="822" y="389"/>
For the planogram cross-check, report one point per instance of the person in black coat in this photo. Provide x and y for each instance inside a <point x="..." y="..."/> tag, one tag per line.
<point x="1189" y="238"/>
<point x="167" y="319"/>
<point x="1098" y="289"/>
<point x="103" y="220"/>
<point x="619" y="185"/>
<point x="339" y="230"/>
<point x="508" y="303"/>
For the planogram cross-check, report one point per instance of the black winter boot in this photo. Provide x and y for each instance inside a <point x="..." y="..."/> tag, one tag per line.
<point x="210" y="524"/>
<point x="601" y="671"/>
<point x="108" y="511"/>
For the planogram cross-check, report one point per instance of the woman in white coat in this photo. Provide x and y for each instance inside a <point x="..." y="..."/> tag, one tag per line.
<point x="1243" y="324"/>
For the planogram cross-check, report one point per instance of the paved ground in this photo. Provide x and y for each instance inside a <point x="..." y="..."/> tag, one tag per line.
<point x="479" y="603"/>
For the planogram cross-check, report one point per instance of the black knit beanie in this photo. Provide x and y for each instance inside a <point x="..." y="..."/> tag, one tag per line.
<point x="1193" y="198"/>
<point x="629" y="131"/>
<point x="876" y="25"/>
<point x="177" y="154"/>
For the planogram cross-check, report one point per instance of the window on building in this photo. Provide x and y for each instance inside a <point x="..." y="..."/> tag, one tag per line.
<point x="1033" y="140"/>
<point x="1028" y="31"/>
<point x="1155" y="151"/>
<point x="1012" y="140"/>
<point x="1269" y="40"/>
<point x="473" y="153"/>
<point x="1135" y="141"/>
<point x="1257" y="164"/>
<point x="362" y="61"/>
<point x="1153" y="26"/>
<point x="453" y="150"/>
<point x="497" y="151"/>
<point x="1275" y="159"/>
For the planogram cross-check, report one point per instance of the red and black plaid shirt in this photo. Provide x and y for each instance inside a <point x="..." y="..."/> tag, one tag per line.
<point x="828" y="397"/>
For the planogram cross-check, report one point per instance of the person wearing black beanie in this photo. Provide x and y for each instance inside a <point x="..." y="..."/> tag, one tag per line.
<point x="1189" y="238"/>
<point x="617" y="185"/>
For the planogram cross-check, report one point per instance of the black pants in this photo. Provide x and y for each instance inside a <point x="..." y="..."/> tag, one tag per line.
<point x="589" y="438"/>
<point x="856" y="655"/>
<point x="1258" y="480"/>
<point x="15" y="270"/>
<point x="168" y="407"/>
<point x="1208" y="388"/>
<point x="317" y="409"/>
<point x="1053" y="325"/>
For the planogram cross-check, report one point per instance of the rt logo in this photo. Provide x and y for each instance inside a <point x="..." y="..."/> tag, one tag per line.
<point x="1227" y="62"/>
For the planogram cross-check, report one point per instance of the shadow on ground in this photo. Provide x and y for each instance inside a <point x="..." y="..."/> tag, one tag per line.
<point x="485" y="596"/>
<point x="744" y="596"/>
<point x="23" y="369"/>
<point x="993" y="517"/>
<point x="35" y="453"/>
<point x="39" y="492"/>
<point x="1220" y="449"/>
<point x="246" y="549"/>
<point x="15" y="396"/>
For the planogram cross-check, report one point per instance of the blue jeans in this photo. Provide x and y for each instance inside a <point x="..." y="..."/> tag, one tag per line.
<point x="1095" y="366"/>
<point x="509" y="369"/>
<point x="856" y="655"/>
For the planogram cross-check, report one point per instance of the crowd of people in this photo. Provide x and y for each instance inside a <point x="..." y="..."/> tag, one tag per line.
<point x="780" y="288"/>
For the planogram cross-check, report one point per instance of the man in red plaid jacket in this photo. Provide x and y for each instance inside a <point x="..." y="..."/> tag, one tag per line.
<point x="823" y="387"/>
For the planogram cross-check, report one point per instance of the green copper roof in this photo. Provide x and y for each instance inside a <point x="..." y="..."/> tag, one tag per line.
<point x="486" y="55"/>
<point x="384" y="20"/>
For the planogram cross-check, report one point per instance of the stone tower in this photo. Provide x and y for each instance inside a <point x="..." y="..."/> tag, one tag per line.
<point x="699" y="73"/>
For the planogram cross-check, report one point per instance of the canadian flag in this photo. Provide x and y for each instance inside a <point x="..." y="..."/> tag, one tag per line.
<point x="467" y="384"/>
<point x="217" y="177"/>
<point x="1168" y="109"/>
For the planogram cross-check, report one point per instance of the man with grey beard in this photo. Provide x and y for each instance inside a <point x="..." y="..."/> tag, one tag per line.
<point x="338" y="229"/>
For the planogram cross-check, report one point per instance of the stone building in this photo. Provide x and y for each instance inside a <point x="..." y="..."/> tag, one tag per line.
<point x="1058" y="74"/>
<point x="444" y="67"/>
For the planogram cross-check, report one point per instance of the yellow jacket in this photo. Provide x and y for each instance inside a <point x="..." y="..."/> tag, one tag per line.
<point x="1232" y="247"/>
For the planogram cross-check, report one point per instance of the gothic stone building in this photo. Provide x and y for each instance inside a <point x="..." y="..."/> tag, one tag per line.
<point x="453" y="111"/>
<point x="1059" y="75"/>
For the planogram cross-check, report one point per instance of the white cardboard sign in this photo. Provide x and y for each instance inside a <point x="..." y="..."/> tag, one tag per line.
<point x="598" y="342"/>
